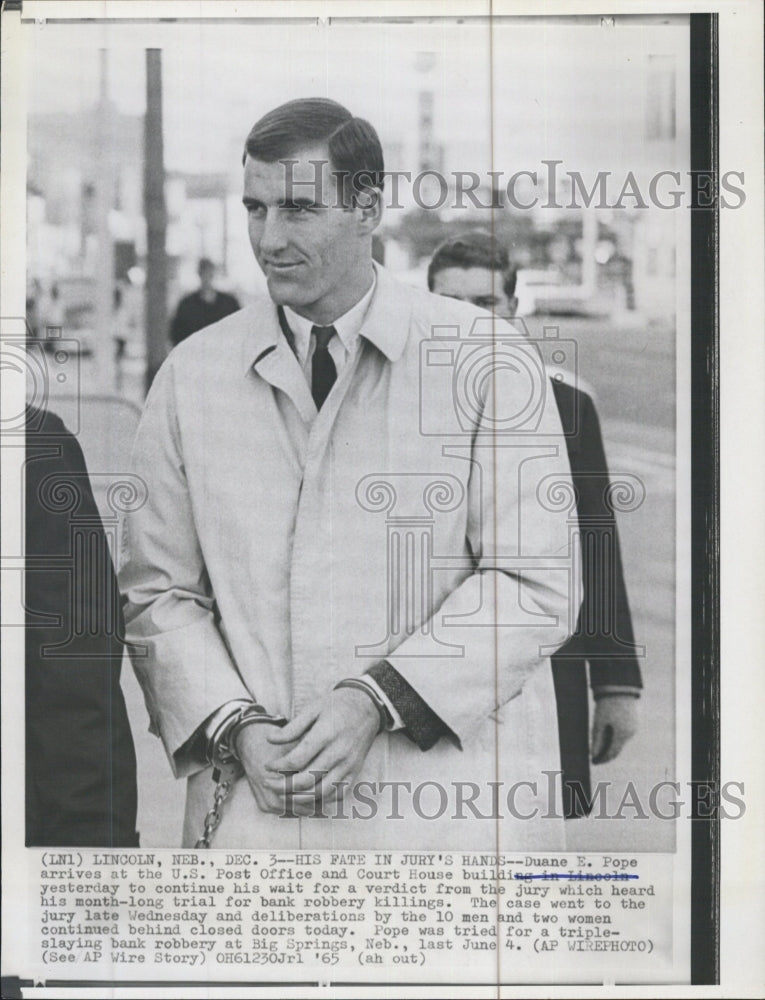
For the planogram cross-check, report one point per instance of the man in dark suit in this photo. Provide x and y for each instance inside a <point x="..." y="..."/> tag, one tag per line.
<point x="80" y="759"/>
<point x="475" y="268"/>
<point x="201" y="308"/>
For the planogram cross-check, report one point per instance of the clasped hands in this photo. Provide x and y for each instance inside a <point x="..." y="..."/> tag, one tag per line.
<point x="308" y="763"/>
<point x="298" y="769"/>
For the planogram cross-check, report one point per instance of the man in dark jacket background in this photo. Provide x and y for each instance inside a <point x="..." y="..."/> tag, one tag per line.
<point x="201" y="308"/>
<point x="477" y="269"/>
<point x="80" y="759"/>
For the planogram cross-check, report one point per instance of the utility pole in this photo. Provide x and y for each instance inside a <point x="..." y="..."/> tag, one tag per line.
<point x="104" y="269"/>
<point x="155" y="213"/>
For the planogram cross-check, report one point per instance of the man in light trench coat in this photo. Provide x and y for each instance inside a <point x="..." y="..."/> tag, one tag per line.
<point x="357" y="553"/>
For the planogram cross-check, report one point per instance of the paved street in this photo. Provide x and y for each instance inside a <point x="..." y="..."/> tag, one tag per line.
<point x="631" y="372"/>
<point x="633" y="377"/>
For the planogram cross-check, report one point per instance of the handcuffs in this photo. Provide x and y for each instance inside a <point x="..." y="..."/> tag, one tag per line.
<point x="221" y="747"/>
<point x="227" y="768"/>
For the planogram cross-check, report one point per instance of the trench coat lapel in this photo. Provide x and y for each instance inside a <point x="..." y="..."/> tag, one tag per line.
<point x="267" y="353"/>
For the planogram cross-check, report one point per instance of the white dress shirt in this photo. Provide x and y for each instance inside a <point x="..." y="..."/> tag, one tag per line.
<point x="342" y="347"/>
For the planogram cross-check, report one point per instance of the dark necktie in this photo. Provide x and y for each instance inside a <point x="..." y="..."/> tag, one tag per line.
<point x="323" y="371"/>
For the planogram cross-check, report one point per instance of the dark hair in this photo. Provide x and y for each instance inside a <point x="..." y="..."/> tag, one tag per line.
<point x="474" y="250"/>
<point x="354" y="147"/>
<point x="205" y="264"/>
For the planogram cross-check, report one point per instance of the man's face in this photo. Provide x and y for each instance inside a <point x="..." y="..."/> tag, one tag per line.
<point x="306" y="244"/>
<point x="479" y="285"/>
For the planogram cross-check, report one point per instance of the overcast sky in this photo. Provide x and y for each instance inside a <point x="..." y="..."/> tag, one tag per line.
<point x="570" y="91"/>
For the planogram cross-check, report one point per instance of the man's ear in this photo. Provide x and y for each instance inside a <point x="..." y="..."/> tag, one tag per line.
<point x="369" y="205"/>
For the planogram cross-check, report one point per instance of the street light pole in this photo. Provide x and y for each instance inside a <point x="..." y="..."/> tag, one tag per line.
<point x="104" y="266"/>
<point x="155" y="213"/>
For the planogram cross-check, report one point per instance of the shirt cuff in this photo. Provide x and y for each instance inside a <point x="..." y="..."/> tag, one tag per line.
<point x="398" y="722"/>
<point x="195" y="748"/>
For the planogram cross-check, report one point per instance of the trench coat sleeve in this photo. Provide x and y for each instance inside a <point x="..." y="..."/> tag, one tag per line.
<point x="504" y="619"/>
<point x="177" y="651"/>
<point x="421" y="724"/>
<point x="605" y="648"/>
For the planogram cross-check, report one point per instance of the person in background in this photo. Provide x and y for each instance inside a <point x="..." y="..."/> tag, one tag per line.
<point x="119" y="325"/>
<point x="33" y="302"/>
<point x="80" y="759"/>
<point x="201" y="308"/>
<point x="475" y="268"/>
<point x="54" y="311"/>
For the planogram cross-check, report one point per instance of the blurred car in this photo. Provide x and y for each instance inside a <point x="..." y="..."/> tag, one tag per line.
<point x="537" y="288"/>
<point x="550" y="293"/>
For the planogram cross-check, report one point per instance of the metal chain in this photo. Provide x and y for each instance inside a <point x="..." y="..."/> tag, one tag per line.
<point x="213" y="817"/>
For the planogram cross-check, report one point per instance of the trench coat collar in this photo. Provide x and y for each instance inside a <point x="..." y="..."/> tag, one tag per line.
<point x="386" y="325"/>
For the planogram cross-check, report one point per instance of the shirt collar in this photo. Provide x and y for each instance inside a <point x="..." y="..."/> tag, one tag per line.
<point x="348" y="326"/>
<point x="386" y="322"/>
